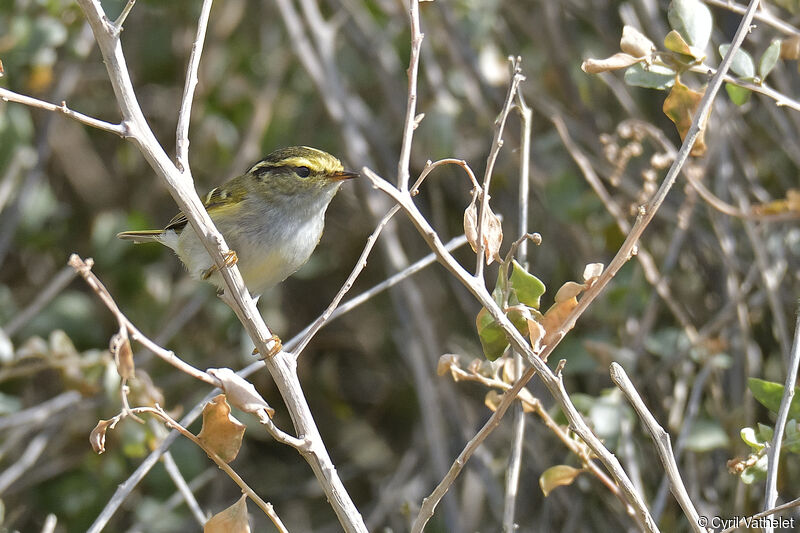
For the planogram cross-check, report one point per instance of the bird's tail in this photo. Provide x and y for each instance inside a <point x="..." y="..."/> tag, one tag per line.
<point x="138" y="237"/>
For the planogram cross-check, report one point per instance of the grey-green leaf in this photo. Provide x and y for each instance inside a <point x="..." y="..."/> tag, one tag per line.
<point x="653" y="77"/>
<point x="769" y="59"/>
<point x="692" y="19"/>
<point x="742" y="64"/>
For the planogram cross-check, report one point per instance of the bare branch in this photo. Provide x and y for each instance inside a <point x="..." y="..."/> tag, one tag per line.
<point x="182" y="134"/>
<point x="11" y="96"/>
<point x="411" y="121"/>
<point x="662" y="441"/>
<point x="774" y="453"/>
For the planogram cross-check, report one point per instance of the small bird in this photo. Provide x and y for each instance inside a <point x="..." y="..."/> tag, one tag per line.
<point x="272" y="218"/>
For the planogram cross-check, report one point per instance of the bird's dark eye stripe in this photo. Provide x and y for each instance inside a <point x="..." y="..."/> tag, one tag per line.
<point x="303" y="172"/>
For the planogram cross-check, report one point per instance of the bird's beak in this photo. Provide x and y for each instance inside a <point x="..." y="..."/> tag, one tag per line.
<point x="344" y="175"/>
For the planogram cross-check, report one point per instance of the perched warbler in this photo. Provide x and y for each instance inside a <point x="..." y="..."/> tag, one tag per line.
<point x="272" y="217"/>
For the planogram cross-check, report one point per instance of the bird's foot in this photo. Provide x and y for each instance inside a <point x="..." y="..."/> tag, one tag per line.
<point x="230" y="259"/>
<point x="275" y="350"/>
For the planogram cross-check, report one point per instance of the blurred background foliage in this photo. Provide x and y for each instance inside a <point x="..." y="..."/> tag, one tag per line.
<point x="392" y="426"/>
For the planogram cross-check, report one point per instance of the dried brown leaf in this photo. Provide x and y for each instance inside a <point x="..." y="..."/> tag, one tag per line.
<point x="492" y="400"/>
<point x="221" y="432"/>
<point x="446" y="362"/>
<point x="120" y="347"/>
<point x="635" y="43"/>
<point x="615" y="62"/>
<point x="680" y="106"/>
<point x="231" y="520"/>
<point x="97" y="438"/>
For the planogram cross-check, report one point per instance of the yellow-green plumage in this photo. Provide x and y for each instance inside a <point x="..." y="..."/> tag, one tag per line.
<point x="272" y="217"/>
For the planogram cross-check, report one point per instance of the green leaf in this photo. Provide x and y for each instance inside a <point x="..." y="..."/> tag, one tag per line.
<point x="769" y="394"/>
<point x="692" y="19"/>
<point x="769" y="59"/>
<point x="742" y="64"/>
<point x="528" y="287"/>
<point x="791" y="439"/>
<point x="738" y="95"/>
<point x="492" y="336"/>
<point x="651" y="77"/>
<point x="557" y="476"/>
<point x="750" y="438"/>
<point x="706" y="435"/>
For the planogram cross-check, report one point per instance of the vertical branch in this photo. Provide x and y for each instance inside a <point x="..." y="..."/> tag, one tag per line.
<point x="518" y="429"/>
<point x="774" y="453"/>
<point x="403" y="165"/>
<point x="497" y="143"/>
<point x="182" y="134"/>
<point x="662" y="441"/>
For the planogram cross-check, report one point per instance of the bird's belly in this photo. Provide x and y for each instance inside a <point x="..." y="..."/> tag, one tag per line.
<point x="262" y="266"/>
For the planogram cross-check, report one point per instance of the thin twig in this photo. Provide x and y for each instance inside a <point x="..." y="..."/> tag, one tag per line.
<point x="774" y="510"/>
<point x="266" y="507"/>
<point x="411" y="120"/>
<point x="730" y="210"/>
<point x="497" y="143"/>
<point x="563" y="435"/>
<point x="123" y="16"/>
<point x="781" y="100"/>
<point x="183" y="488"/>
<point x="360" y="265"/>
<point x="373" y="291"/>
<point x="11" y="96"/>
<point x="182" y="134"/>
<point x="761" y="15"/>
<point x="661" y="440"/>
<point x="518" y="425"/>
<point x="84" y="269"/>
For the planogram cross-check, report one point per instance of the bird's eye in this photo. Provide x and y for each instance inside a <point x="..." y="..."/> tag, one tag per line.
<point x="303" y="172"/>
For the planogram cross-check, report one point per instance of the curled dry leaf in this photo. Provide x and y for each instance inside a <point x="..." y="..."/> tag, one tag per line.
<point x="635" y="43"/>
<point x="565" y="301"/>
<point x="120" y="347"/>
<point x="492" y="400"/>
<point x="617" y="61"/>
<point x="528" y="400"/>
<point x="240" y="392"/>
<point x="446" y="362"/>
<point x="471" y="221"/>
<point x="509" y="370"/>
<point x="568" y="291"/>
<point x="97" y="438"/>
<point x="557" y="476"/>
<point x="492" y="234"/>
<point x="231" y="520"/>
<point x="221" y="433"/>
<point x="536" y="332"/>
<point x="591" y="273"/>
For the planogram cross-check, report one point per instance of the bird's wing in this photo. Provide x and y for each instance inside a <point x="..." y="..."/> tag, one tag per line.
<point x="217" y="199"/>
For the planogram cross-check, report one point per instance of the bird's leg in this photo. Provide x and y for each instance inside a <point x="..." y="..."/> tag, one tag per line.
<point x="230" y="259"/>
